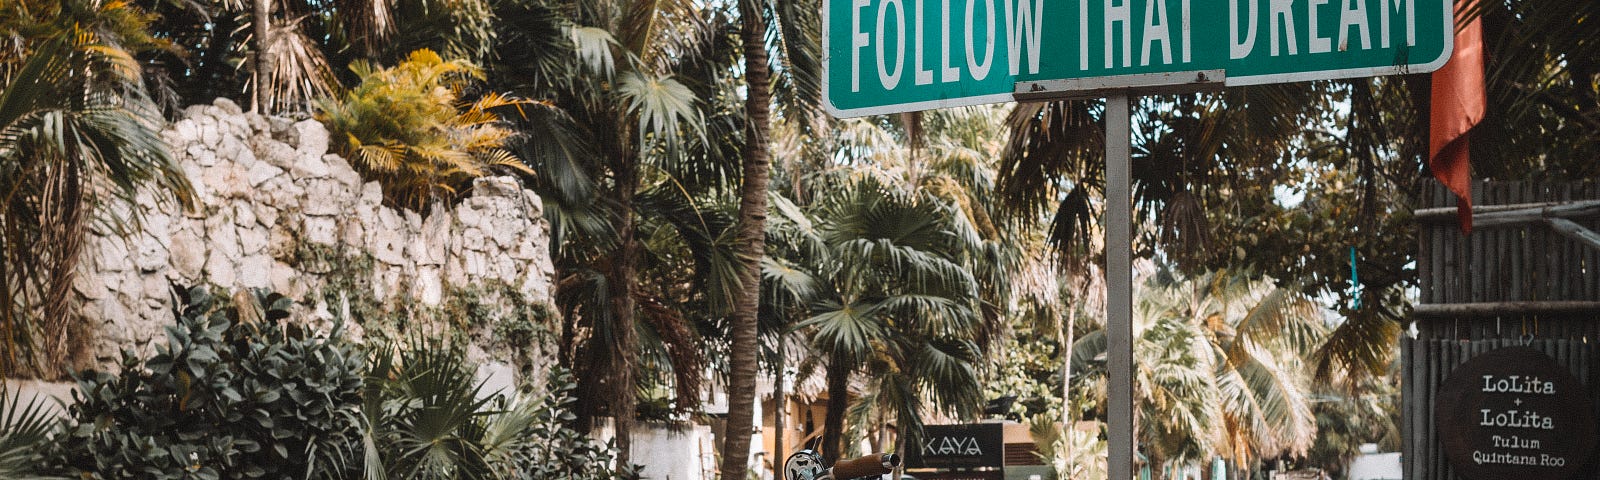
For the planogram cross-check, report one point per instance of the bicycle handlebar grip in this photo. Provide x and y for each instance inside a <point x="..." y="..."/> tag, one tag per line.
<point x="875" y="464"/>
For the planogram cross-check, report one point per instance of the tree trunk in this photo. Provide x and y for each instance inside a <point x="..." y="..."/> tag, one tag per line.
<point x="1066" y="382"/>
<point x="262" y="20"/>
<point x="624" y="344"/>
<point x="743" y="345"/>
<point x="838" y="401"/>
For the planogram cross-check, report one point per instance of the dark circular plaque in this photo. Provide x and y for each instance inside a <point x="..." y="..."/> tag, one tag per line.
<point x="1515" y="413"/>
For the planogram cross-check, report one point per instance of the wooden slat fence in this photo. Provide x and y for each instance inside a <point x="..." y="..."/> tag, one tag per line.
<point x="1544" y="281"/>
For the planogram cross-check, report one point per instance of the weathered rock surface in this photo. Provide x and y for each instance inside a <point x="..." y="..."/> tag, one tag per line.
<point x="269" y="192"/>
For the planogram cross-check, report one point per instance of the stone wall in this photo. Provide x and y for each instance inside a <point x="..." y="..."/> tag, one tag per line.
<point x="278" y="211"/>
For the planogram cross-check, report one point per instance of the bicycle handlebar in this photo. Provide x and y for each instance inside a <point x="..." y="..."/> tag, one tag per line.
<point x="874" y="464"/>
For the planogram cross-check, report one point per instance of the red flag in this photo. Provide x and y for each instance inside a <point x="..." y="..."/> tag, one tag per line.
<point x="1458" y="104"/>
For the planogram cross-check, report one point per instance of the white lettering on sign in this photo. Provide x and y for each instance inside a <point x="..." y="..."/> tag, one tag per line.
<point x="1156" y="29"/>
<point x="1543" y="460"/>
<point x="1283" y="37"/>
<point x="1517" y="419"/>
<point x="859" y="40"/>
<point x="1240" y="47"/>
<point x="1514" y="441"/>
<point x="1280" y="10"/>
<point x="1024" y="26"/>
<point x="891" y="80"/>
<point x="924" y="76"/>
<point x="1319" y="43"/>
<point x="1518" y="384"/>
<point x="1115" y="14"/>
<point x="952" y="446"/>
<point x="1354" y="14"/>
<point x="980" y="70"/>
<point x="1410" y="7"/>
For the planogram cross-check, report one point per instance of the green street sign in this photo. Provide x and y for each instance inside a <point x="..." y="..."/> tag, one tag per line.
<point x="889" y="56"/>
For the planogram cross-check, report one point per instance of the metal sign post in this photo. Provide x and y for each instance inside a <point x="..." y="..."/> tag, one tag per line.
<point x="1118" y="92"/>
<point x="1119" y="288"/>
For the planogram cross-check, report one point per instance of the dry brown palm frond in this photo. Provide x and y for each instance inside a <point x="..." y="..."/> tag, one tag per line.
<point x="1184" y="227"/>
<point x="300" y="74"/>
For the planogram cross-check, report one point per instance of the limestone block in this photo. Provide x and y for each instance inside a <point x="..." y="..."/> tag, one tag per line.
<point x="266" y="215"/>
<point x="505" y="229"/>
<point x="259" y="125"/>
<point x="468" y="215"/>
<point x="188" y="254"/>
<point x="194" y="173"/>
<point x="220" y="269"/>
<point x="372" y="193"/>
<point x="281" y="127"/>
<point x="525" y="250"/>
<point x="156" y="289"/>
<point x="321" y="230"/>
<point x="210" y="134"/>
<point x="282" y="193"/>
<point x="89" y="285"/>
<point x="313" y="138"/>
<point x="389" y="220"/>
<point x="413" y="221"/>
<point x="227" y="106"/>
<point x="505" y="267"/>
<point x="255" y="271"/>
<point x="474" y="264"/>
<point x="224" y="239"/>
<point x="244" y="215"/>
<point x="326" y="197"/>
<point x="233" y="149"/>
<point x="340" y="170"/>
<point x="473" y="239"/>
<point x="275" y="152"/>
<point x="227" y="180"/>
<point x="310" y="166"/>
<point x="429" y="247"/>
<point x="184" y="131"/>
<point x="260" y="172"/>
<point x="253" y="239"/>
<point x="286" y="280"/>
<point x="353" y="231"/>
<point x="201" y="155"/>
<point x="114" y="255"/>
<point x="501" y="186"/>
<point x="152" y="254"/>
<point x="429" y="287"/>
<point x="389" y="247"/>
<point x="115" y="313"/>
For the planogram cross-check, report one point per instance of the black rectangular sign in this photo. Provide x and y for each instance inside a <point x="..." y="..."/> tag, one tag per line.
<point x="959" y="446"/>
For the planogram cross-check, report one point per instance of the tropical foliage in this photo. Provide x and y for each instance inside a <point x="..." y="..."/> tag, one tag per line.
<point x="235" y="392"/>
<point x="427" y="416"/>
<point x="408" y="127"/>
<point x="1218" y="368"/>
<point x="238" y="392"/>
<point x="25" y="428"/>
<point x="884" y="278"/>
<point x="77" y="131"/>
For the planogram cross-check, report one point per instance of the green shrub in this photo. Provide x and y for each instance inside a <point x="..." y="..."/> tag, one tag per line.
<point x="235" y="393"/>
<point x="429" y="418"/>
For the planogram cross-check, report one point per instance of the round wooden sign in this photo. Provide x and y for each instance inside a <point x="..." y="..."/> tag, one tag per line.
<point x="1515" y="413"/>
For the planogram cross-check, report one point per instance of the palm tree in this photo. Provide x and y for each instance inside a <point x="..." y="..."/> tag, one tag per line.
<point x="884" y="274"/>
<point x="1219" y="367"/>
<point x="627" y="113"/>
<point x="77" y="130"/>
